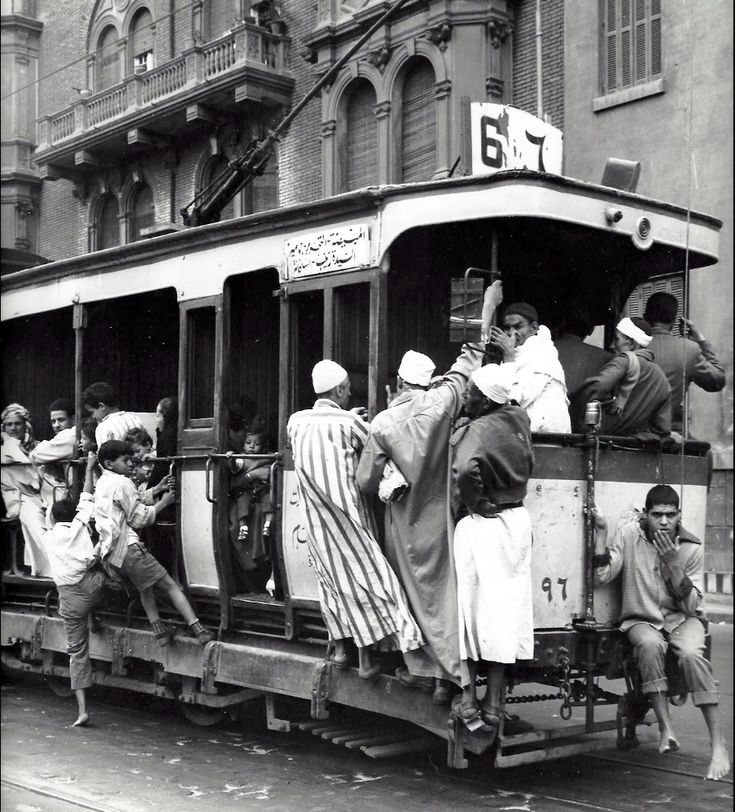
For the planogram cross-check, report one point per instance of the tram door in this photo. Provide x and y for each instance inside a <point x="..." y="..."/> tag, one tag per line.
<point x="199" y="406"/>
<point x="326" y="319"/>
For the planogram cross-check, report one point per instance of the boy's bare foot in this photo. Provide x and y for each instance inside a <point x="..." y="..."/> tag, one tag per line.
<point x="719" y="765"/>
<point x="668" y="743"/>
<point x="82" y="720"/>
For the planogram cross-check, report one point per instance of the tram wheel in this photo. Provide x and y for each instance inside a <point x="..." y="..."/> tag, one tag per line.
<point x="201" y="715"/>
<point x="60" y="686"/>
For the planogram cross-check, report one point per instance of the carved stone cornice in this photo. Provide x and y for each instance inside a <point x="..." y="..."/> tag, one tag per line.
<point x="495" y="86"/>
<point x="443" y="89"/>
<point x="382" y="109"/>
<point x="328" y="128"/>
<point x="499" y="30"/>
<point x="440" y="34"/>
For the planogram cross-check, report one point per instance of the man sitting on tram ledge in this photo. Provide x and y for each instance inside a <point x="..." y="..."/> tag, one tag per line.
<point x="661" y="568"/>
<point x="538" y="379"/>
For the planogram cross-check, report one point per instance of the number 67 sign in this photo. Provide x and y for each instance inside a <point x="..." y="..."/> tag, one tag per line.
<point x="504" y="137"/>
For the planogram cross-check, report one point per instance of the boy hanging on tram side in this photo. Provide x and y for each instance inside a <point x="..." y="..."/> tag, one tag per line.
<point x="80" y="586"/>
<point x="660" y="564"/>
<point x="118" y="513"/>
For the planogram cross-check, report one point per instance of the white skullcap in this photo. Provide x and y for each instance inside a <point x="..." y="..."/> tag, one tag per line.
<point x="493" y="381"/>
<point x="416" y="368"/>
<point x="627" y="328"/>
<point x="326" y="375"/>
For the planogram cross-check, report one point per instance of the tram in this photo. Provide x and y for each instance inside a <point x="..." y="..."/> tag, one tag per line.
<point x="241" y="310"/>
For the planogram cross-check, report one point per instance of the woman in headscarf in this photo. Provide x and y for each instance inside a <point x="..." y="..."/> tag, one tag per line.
<point x="21" y="485"/>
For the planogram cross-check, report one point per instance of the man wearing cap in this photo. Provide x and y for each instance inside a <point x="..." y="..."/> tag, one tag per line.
<point x="492" y="463"/>
<point x="632" y="389"/>
<point x="413" y="433"/>
<point x="359" y="594"/>
<point x="539" y="385"/>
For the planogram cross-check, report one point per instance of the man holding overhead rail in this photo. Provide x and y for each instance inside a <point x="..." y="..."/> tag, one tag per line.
<point x="685" y="360"/>
<point x="660" y="564"/>
<point x="359" y="594"/>
<point x="413" y="434"/>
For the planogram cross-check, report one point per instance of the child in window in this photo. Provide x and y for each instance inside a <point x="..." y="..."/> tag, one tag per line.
<point x="251" y="511"/>
<point x="118" y="513"/>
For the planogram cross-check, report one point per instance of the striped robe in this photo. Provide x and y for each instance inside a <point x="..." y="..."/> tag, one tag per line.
<point x="359" y="593"/>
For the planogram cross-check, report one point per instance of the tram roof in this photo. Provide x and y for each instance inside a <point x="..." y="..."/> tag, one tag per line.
<point x="576" y="208"/>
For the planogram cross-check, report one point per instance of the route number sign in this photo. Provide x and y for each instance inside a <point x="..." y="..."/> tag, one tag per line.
<point x="504" y="137"/>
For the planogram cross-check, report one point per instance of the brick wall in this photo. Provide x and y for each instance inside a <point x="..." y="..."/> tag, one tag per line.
<point x="300" y="151"/>
<point x="524" y="58"/>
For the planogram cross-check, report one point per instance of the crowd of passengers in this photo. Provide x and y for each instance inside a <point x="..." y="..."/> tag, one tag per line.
<point x="455" y="603"/>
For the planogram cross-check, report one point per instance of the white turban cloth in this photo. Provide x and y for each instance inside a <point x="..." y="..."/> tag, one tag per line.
<point x="627" y="328"/>
<point x="493" y="381"/>
<point x="416" y="368"/>
<point x="326" y="375"/>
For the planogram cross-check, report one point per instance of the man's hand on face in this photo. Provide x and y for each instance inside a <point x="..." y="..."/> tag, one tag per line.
<point x="665" y="547"/>
<point x="505" y="342"/>
<point x="360" y="411"/>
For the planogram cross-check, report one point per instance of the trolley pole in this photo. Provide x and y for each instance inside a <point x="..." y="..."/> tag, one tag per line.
<point x="79" y="322"/>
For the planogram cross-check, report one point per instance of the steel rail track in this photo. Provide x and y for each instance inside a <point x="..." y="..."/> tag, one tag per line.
<point x="65" y="797"/>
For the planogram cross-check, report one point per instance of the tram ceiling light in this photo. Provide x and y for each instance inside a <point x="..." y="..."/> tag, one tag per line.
<point x="613" y="215"/>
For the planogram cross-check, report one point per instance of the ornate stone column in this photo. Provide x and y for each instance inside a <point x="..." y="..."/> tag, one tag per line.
<point x="442" y="91"/>
<point x="500" y="55"/>
<point x="329" y="153"/>
<point x="383" y="117"/>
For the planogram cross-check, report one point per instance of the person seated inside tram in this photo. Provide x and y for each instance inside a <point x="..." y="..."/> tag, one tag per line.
<point x="49" y="455"/>
<point x="578" y="359"/>
<point x="661" y="569"/>
<point x="632" y="389"/>
<point x="21" y="486"/>
<point x="118" y="513"/>
<point x="529" y="354"/>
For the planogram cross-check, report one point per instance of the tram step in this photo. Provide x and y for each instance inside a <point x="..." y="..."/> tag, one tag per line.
<point x="415" y="745"/>
<point x="367" y="740"/>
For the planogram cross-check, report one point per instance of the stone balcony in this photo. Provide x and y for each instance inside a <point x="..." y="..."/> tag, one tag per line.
<point x="246" y="65"/>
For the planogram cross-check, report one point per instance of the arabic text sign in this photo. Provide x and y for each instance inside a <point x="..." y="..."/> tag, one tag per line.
<point x="341" y="249"/>
<point x="505" y="137"/>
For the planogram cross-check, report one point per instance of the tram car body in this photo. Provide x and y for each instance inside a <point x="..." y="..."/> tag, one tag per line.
<point x="243" y="309"/>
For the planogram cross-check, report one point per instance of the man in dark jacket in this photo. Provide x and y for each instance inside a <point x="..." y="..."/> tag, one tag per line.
<point x="683" y="360"/>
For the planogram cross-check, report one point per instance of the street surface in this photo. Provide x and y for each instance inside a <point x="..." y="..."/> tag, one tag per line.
<point x="141" y="754"/>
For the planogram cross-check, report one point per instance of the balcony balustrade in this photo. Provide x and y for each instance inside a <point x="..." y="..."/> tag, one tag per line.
<point x="248" y="53"/>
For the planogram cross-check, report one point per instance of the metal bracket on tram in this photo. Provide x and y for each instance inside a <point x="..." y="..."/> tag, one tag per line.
<point x="207" y="471"/>
<point x="210" y="665"/>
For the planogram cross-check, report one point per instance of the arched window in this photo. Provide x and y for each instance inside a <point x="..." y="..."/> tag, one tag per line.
<point x="108" y="59"/>
<point x="142" y="212"/>
<point x="108" y="223"/>
<point x="361" y="139"/>
<point x="418" y="124"/>
<point x="216" y="166"/>
<point x="141" y="40"/>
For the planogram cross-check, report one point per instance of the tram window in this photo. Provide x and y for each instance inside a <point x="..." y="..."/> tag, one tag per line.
<point x="201" y="330"/>
<point x="308" y="310"/>
<point x="352" y="337"/>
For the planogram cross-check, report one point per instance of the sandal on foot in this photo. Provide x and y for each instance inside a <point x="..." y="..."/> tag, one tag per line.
<point x="470" y="717"/>
<point x="490" y="715"/>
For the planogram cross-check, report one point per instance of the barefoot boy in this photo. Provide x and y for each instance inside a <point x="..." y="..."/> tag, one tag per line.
<point x="661" y="566"/>
<point x="118" y="512"/>
<point x="71" y="557"/>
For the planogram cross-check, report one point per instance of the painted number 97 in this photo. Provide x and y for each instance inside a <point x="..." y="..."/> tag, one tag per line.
<point x="546" y="587"/>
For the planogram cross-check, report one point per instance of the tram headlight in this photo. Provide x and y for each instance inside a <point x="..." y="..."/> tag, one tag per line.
<point x="642" y="235"/>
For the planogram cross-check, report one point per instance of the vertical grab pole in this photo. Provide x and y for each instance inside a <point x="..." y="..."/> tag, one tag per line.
<point x="79" y="322"/>
<point x="592" y="421"/>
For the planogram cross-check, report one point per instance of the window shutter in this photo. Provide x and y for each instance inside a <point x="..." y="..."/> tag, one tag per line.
<point x="142" y="31"/>
<point x="636" y="304"/>
<point x="109" y="59"/>
<point x="611" y="45"/>
<point x="631" y="40"/>
<point x="143" y="211"/>
<point x="362" y="138"/>
<point x="418" y="147"/>
<point x="108" y="224"/>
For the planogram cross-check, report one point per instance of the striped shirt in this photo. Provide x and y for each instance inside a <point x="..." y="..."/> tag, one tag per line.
<point x="117" y="510"/>
<point x="115" y="426"/>
<point x="359" y="593"/>
<point x="648" y="594"/>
